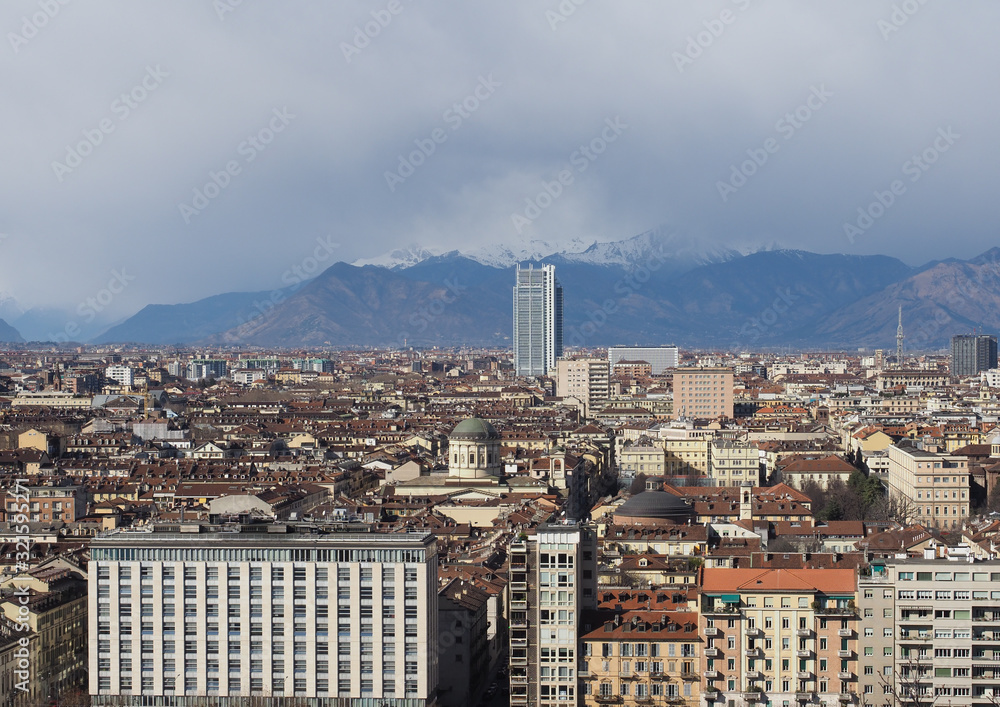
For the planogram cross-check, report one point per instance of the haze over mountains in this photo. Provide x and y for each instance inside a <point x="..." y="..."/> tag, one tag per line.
<point x="653" y="288"/>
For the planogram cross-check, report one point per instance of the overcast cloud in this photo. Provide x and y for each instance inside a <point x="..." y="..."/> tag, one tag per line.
<point x="689" y="87"/>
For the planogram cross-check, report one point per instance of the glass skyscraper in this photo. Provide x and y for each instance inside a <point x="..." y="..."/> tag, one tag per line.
<point x="538" y="320"/>
<point x="972" y="354"/>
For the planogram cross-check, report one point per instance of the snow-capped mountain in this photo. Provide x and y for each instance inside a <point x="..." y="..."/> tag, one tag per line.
<point x="399" y="258"/>
<point x="682" y="252"/>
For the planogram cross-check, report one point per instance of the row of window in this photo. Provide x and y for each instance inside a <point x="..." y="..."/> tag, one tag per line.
<point x="276" y="687"/>
<point x="950" y="576"/>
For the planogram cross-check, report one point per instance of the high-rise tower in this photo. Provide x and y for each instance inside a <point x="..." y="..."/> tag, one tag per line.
<point x="972" y="354"/>
<point x="538" y="320"/>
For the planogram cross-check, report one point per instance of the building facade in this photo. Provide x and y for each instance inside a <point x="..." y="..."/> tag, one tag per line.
<point x="931" y="633"/>
<point x="538" y="320"/>
<point x="585" y="379"/>
<point x="972" y="354"/>
<point x="643" y="658"/>
<point x="705" y="393"/>
<point x="780" y="636"/>
<point x="660" y="358"/>
<point x="935" y="485"/>
<point x="553" y="579"/>
<point x="217" y="614"/>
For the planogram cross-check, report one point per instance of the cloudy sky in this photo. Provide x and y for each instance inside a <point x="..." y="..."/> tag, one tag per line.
<point x="192" y="147"/>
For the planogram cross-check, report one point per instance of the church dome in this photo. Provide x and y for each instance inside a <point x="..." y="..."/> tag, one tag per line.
<point x="656" y="504"/>
<point x="474" y="430"/>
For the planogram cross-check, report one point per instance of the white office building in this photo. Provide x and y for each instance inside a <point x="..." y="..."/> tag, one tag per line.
<point x="123" y="375"/>
<point x="538" y="320"/>
<point x="237" y="614"/>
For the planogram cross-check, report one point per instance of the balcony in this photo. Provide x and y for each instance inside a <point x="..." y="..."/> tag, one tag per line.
<point x="712" y="695"/>
<point x="519" y="622"/>
<point x="845" y="675"/>
<point x="712" y="632"/>
<point x="518" y="586"/>
<point x="845" y="632"/>
<point x="711" y="674"/>
<point x="722" y="610"/>
<point x="803" y="653"/>
<point x="607" y="699"/>
<point x="804" y="675"/>
<point x="848" y="697"/>
<point x="519" y="660"/>
<point x="754" y="675"/>
<point x="845" y="654"/>
<point x="803" y="696"/>
<point x="686" y="675"/>
<point x="519" y="679"/>
<point x="754" y="653"/>
<point x="519" y="604"/>
<point x="519" y="643"/>
<point x="516" y="699"/>
<point x="835" y="611"/>
<point x="803" y="632"/>
<point x="711" y="652"/>
<point x="753" y="695"/>
<point x="753" y="632"/>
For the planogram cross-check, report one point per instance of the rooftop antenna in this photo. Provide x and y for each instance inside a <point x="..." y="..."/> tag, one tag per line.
<point x="899" y="339"/>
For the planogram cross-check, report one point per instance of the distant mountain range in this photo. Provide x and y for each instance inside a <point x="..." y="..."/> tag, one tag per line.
<point x="651" y="289"/>
<point x="9" y="333"/>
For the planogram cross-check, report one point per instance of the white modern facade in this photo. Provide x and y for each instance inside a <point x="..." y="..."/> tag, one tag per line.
<point x="538" y="320"/>
<point x="124" y="375"/>
<point x="553" y="579"/>
<point x="260" y="613"/>
<point x="661" y="358"/>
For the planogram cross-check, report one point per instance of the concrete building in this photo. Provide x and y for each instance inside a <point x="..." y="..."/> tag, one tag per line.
<point x="705" y="393"/>
<point x="931" y="632"/>
<point x="780" y="636"/>
<point x="937" y="485"/>
<point x="585" y="379"/>
<point x="553" y="579"/>
<point x="538" y="320"/>
<point x="217" y="614"/>
<point x="660" y="358"/>
<point x="972" y="354"/>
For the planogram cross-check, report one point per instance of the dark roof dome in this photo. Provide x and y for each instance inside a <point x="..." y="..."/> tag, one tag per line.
<point x="656" y="504"/>
<point x="474" y="429"/>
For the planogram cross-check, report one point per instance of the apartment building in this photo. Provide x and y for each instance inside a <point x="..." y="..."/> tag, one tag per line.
<point x="643" y="457"/>
<point x="931" y="632"/>
<point x="705" y="393"/>
<point x="215" y="614"/>
<point x="585" y="379"/>
<point x="123" y="375"/>
<point x="641" y="658"/>
<point x="659" y="358"/>
<point x="553" y="580"/>
<point x="936" y="484"/>
<point x="732" y="462"/>
<point x="787" y="637"/>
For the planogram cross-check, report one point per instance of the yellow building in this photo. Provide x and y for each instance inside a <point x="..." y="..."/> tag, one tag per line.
<point x="642" y="658"/>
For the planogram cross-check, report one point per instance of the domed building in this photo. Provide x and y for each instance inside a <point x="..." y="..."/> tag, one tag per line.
<point x="654" y="505"/>
<point x="474" y="450"/>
